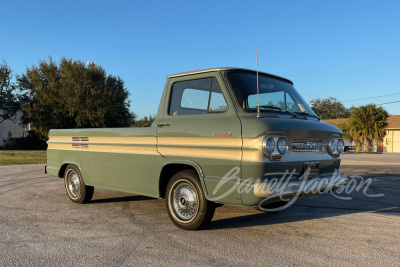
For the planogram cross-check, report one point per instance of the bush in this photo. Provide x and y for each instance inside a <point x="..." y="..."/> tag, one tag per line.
<point x="33" y="142"/>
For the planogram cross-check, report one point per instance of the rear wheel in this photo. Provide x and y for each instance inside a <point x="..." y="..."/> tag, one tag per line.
<point x="186" y="203"/>
<point x="77" y="190"/>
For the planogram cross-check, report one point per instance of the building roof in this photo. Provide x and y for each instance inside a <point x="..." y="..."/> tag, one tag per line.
<point x="336" y="122"/>
<point x="393" y="121"/>
<point x="223" y="69"/>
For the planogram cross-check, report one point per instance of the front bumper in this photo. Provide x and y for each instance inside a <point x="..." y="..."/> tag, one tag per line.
<point x="287" y="189"/>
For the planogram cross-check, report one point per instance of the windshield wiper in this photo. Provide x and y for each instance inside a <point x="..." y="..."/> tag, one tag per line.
<point x="278" y="108"/>
<point x="306" y="113"/>
<point x="270" y="107"/>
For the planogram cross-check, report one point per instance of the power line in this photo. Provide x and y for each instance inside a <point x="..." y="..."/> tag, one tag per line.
<point x="369" y="97"/>
<point x="388" y="103"/>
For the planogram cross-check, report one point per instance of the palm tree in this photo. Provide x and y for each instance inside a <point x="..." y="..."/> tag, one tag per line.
<point x="350" y="134"/>
<point x="368" y="124"/>
<point x="355" y="129"/>
<point x="347" y="134"/>
<point x="380" y="125"/>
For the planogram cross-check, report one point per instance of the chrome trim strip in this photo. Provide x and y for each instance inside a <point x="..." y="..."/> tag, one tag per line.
<point x="108" y="144"/>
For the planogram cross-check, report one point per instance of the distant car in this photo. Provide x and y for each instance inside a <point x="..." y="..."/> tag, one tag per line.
<point x="349" y="146"/>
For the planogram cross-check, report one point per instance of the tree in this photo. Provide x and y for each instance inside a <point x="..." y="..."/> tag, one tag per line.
<point x="366" y="124"/>
<point x="72" y="95"/>
<point x="144" y="122"/>
<point x="380" y="125"/>
<point x="9" y="97"/>
<point x="329" y="108"/>
<point x="350" y="134"/>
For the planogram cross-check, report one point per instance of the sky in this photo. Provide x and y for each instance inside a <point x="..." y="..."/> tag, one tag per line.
<point x="344" y="49"/>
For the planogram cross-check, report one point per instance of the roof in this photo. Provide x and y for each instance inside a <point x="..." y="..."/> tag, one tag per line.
<point x="222" y="69"/>
<point x="336" y="122"/>
<point x="393" y="121"/>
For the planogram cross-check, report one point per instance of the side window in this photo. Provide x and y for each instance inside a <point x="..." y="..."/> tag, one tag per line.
<point x="195" y="99"/>
<point x="199" y="96"/>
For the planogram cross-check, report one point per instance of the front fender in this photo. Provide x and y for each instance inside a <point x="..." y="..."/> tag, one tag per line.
<point x="192" y="164"/>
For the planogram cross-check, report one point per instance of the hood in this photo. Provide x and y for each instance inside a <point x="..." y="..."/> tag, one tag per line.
<point x="287" y="125"/>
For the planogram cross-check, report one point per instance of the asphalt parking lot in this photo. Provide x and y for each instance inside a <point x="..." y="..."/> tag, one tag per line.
<point x="40" y="226"/>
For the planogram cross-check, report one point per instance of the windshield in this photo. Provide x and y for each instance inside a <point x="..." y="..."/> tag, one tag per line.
<point x="275" y="95"/>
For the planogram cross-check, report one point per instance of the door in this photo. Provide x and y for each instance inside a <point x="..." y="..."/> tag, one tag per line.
<point x="200" y="125"/>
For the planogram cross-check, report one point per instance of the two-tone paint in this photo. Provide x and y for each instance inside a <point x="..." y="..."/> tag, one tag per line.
<point x="141" y="160"/>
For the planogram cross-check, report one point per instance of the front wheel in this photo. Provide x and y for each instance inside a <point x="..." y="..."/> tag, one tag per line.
<point x="77" y="190"/>
<point x="186" y="203"/>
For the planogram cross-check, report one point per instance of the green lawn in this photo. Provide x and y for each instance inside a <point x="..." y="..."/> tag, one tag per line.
<point x="21" y="157"/>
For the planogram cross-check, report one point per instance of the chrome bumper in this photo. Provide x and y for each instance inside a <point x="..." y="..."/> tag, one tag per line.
<point x="288" y="188"/>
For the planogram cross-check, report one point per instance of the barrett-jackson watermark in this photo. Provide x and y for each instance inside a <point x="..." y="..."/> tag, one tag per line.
<point x="280" y="187"/>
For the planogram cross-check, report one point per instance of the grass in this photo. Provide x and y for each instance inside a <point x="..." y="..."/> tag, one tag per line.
<point x="22" y="157"/>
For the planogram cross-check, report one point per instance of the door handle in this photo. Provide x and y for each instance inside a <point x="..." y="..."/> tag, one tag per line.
<point x="162" y="124"/>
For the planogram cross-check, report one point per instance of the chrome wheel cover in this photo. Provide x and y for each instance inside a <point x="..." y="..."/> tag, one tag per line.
<point x="73" y="184"/>
<point x="184" y="201"/>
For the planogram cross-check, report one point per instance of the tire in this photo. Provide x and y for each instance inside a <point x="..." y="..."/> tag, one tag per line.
<point x="186" y="203"/>
<point x="273" y="205"/>
<point x="76" y="189"/>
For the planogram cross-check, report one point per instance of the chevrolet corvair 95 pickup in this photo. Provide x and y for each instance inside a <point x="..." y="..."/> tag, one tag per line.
<point x="218" y="138"/>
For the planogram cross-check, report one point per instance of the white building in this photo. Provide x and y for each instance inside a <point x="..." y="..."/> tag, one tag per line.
<point x="391" y="142"/>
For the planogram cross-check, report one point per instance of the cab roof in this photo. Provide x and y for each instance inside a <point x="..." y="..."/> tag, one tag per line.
<point x="223" y="69"/>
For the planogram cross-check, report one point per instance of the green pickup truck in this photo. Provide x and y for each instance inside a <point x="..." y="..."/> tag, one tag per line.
<point x="221" y="136"/>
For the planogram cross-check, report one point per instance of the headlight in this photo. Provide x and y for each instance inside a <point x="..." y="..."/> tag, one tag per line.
<point x="340" y="146"/>
<point x="268" y="146"/>
<point x="282" y="145"/>
<point x="332" y="146"/>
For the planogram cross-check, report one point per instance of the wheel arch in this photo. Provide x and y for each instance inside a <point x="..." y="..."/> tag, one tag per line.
<point x="171" y="167"/>
<point x="63" y="168"/>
